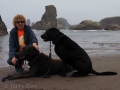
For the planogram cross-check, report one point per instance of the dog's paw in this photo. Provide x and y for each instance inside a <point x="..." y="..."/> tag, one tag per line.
<point x="11" y="78"/>
<point x="62" y="74"/>
<point x="75" y="74"/>
<point x="46" y="76"/>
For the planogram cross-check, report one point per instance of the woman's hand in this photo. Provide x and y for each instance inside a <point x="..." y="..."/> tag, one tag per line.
<point x="14" y="60"/>
<point x="36" y="46"/>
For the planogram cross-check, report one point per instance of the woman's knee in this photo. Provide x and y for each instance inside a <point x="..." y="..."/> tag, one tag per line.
<point x="9" y="62"/>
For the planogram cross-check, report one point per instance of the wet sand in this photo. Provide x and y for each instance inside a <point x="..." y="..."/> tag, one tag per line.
<point x="104" y="60"/>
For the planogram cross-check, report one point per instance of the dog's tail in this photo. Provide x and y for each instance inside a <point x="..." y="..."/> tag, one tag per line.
<point x="103" y="73"/>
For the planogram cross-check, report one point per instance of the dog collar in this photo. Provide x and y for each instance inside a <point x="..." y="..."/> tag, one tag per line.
<point x="55" y="41"/>
<point x="33" y="60"/>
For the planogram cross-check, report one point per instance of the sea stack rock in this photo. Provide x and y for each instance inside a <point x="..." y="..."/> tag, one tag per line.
<point x="110" y="21"/>
<point x="28" y="22"/>
<point x="48" y="19"/>
<point x="62" y="23"/>
<point x="3" y="28"/>
<point x="112" y="27"/>
<point x="87" y="25"/>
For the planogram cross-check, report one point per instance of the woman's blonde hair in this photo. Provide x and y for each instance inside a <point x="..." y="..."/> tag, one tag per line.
<point x="18" y="17"/>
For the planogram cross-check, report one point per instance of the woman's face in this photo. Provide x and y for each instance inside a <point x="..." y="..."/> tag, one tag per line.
<point x="20" y="24"/>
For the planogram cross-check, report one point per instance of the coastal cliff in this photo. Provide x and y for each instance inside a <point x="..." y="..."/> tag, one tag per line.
<point x="3" y="28"/>
<point x="48" y="19"/>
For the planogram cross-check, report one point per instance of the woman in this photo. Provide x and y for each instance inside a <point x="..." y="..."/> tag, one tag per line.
<point x="20" y="36"/>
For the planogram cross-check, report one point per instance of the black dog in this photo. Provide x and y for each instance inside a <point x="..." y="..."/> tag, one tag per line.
<point x="40" y="64"/>
<point x="71" y="53"/>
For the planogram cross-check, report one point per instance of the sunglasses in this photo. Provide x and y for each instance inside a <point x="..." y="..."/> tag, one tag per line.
<point x="19" y="21"/>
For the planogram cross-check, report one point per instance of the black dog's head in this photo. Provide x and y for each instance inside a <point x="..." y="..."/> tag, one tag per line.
<point x="50" y="34"/>
<point x="28" y="52"/>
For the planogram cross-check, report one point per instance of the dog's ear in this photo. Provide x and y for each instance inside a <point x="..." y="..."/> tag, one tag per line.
<point x="52" y="33"/>
<point x="54" y="30"/>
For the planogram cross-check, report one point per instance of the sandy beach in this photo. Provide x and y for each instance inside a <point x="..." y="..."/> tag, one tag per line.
<point x="103" y="48"/>
<point x="102" y="61"/>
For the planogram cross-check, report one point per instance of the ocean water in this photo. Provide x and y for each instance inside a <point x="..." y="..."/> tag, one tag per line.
<point x="91" y="41"/>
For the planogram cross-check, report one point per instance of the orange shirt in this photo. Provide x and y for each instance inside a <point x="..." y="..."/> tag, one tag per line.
<point x="21" y="38"/>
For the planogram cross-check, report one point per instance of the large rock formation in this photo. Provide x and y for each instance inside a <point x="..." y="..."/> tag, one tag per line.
<point x="62" y="23"/>
<point x="59" y="26"/>
<point x="28" y="22"/>
<point x="110" y="20"/>
<point x="87" y="25"/>
<point x="3" y="28"/>
<point x="112" y="27"/>
<point x="32" y="23"/>
<point x="48" y="19"/>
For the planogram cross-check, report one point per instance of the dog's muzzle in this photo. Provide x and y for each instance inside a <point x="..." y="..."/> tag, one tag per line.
<point x="45" y="37"/>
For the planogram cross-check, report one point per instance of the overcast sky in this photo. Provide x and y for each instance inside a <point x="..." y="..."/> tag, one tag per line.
<point x="74" y="11"/>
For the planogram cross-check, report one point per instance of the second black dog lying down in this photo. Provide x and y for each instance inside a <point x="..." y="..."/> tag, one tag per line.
<point x="71" y="53"/>
<point x="40" y="64"/>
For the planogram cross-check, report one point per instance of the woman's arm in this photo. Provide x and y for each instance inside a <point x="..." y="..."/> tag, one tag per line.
<point x="34" y="39"/>
<point x="12" y="49"/>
